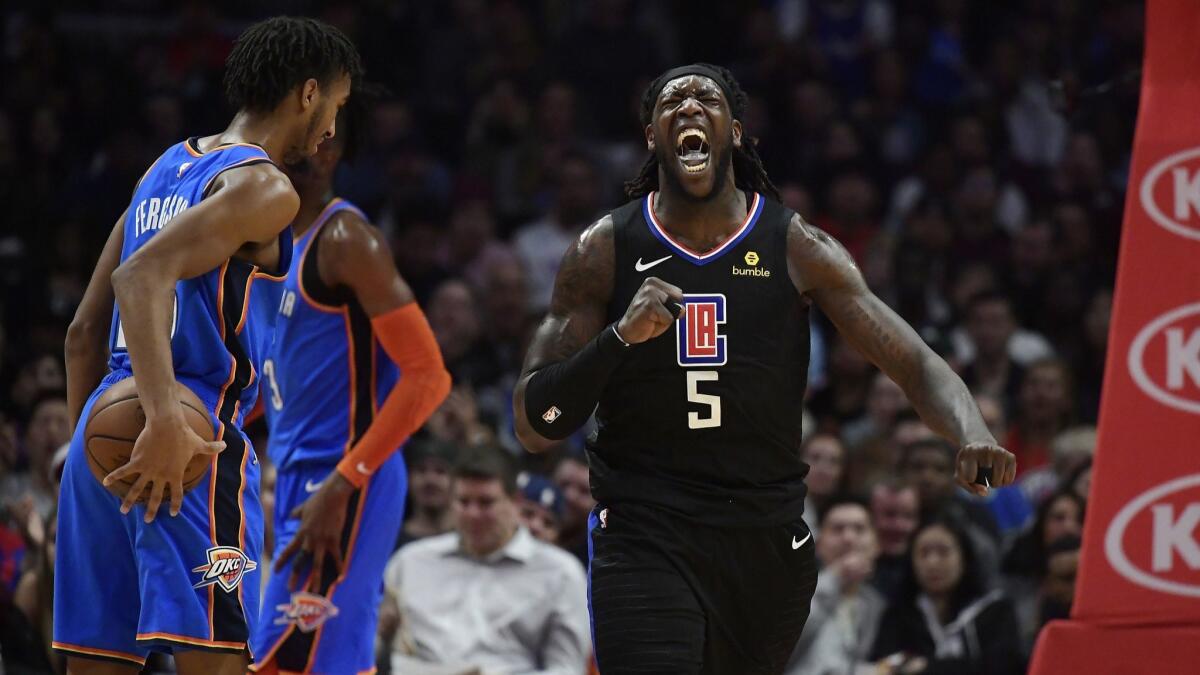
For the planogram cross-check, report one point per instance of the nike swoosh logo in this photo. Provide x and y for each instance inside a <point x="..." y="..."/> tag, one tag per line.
<point x="362" y="468"/>
<point x="311" y="487"/>
<point x="639" y="266"/>
<point x="798" y="544"/>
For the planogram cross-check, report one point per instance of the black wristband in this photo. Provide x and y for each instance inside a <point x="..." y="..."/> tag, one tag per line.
<point x="560" y="397"/>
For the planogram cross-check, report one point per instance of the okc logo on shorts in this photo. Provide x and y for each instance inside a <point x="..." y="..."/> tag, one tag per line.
<point x="698" y="339"/>
<point x="226" y="566"/>
<point x="307" y="610"/>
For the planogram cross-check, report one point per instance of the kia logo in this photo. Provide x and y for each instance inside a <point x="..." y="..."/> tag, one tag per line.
<point x="1164" y="358"/>
<point x="1166" y="555"/>
<point x="1170" y="193"/>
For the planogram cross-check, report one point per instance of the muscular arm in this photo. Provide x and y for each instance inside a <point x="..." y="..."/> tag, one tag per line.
<point x="86" y="352"/>
<point x="250" y="205"/>
<point x="356" y="256"/>
<point x="821" y="268"/>
<point x="577" y="314"/>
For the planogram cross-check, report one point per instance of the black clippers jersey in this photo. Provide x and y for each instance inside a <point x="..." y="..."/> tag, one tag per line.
<point x="705" y="419"/>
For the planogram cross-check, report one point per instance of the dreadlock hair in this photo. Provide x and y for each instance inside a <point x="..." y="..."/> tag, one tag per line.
<point x="273" y="57"/>
<point x="748" y="171"/>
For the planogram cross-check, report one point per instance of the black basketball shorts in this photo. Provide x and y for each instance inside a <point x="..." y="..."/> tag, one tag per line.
<point x="669" y="595"/>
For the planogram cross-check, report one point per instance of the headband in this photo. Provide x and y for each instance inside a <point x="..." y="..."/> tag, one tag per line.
<point x="694" y="69"/>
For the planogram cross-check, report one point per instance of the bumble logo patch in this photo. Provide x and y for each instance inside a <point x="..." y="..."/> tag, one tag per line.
<point x="753" y="270"/>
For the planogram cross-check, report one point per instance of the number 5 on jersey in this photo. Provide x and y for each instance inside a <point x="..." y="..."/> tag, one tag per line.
<point x="699" y="342"/>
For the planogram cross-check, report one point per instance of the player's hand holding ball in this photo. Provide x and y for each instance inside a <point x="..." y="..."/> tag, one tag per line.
<point x="984" y="465"/>
<point x="161" y="454"/>
<point x="649" y="314"/>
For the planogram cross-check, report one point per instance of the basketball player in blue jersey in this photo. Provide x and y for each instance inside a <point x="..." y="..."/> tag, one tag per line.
<point x="353" y="371"/>
<point x="681" y="318"/>
<point x="207" y="219"/>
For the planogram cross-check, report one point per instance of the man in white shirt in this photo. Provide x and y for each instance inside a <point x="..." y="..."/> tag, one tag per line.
<point x="487" y="598"/>
<point x="845" y="610"/>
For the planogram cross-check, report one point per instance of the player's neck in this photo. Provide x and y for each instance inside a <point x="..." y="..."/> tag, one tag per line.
<point x="703" y="224"/>
<point x="260" y="129"/>
<point x="312" y="203"/>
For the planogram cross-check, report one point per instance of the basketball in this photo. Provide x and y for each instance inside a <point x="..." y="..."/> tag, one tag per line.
<point x="116" y="420"/>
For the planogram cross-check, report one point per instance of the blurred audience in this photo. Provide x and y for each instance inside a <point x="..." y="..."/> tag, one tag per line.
<point x="539" y="506"/>
<point x="926" y="137"/>
<point x="895" y="512"/>
<point x="845" y="610"/>
<point x="430" y="463"/>
<point x="826" y="459"/>
<point x="488" y="596"/>
<point x="946" y="620"/>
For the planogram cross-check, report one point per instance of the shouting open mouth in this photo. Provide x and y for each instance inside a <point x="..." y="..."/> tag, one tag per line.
<point x="691" y="146"/>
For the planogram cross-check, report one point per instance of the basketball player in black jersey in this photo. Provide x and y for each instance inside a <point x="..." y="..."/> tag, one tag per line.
<point x="683" y="316"/>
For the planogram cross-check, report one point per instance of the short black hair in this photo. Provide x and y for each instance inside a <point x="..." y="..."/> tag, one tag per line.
<point x="987" y="297"/>
<point x="934" y="443"/>
<point x="273" y="57"/>
<point x="487" y="463"/>
<point x="842" y="500"/>
<point x="971" y="585"/>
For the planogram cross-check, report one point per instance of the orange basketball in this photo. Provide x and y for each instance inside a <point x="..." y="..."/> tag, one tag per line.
<point x="116" y="420"/>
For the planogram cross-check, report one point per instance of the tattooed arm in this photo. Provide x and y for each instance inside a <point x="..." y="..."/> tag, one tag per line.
<point x="573" y="352"/>
<point x="821" y="268"/>
<point x="577" y="312"/>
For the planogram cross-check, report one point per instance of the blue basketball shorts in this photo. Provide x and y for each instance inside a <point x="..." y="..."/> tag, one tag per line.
<point x="331" y="630"/>
<point x="124" y="588"/>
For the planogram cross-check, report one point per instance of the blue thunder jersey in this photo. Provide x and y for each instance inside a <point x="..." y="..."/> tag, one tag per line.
<point x="217" y="336"/>
<point x="124" y="587"/>
<point x="326" y="374"/>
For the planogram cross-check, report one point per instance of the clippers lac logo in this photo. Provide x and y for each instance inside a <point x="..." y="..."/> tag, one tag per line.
<point x="699" y="341"/>
<point x="226" y="566"/>
<point x="307" y="610"/>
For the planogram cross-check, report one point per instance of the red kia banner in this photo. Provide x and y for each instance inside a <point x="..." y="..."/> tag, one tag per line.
<point x="1137" y="603"/>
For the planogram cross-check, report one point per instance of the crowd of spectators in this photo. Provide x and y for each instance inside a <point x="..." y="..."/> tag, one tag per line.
<point x="972" y="156"/>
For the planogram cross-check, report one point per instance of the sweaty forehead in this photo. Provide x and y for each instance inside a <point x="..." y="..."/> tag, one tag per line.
<point x="689" y="84"/>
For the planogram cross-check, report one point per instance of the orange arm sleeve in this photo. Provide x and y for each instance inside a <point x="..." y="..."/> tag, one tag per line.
<point x="424" y="383"/>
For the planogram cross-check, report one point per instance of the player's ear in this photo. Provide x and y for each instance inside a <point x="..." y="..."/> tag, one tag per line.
<point x="737" y="134"/>
<point x="650" y="137"/>
<point x="308" y="93"/>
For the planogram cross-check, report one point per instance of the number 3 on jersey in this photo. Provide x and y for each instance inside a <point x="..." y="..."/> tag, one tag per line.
<point x="269" y="374"/>
<point x="699" y="342"/>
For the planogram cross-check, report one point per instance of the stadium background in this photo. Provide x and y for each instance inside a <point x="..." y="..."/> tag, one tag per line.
<point x="955" y="147"/>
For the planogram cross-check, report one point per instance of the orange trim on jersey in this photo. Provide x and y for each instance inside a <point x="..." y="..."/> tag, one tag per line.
<point x="92" y="651"/>
<point x="241" y="502"/>
<point x="318" y="223"/>
<point x="291" y="627"/>
<point x="196" y="152"/>
<point x="188" y="640"/>
<point x="245" y="306"/>
<point x="270" y="277"/>
<point x="248" y="160"/>
<point x="221" y="301"/>
<point x="353" y="379"/>
<point x="374" y="379"/>
<point x="212" y="483"/>
<point x="362" y="501"/>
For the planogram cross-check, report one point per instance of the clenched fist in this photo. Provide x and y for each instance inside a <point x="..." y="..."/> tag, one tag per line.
<point x="649" y="314"/>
